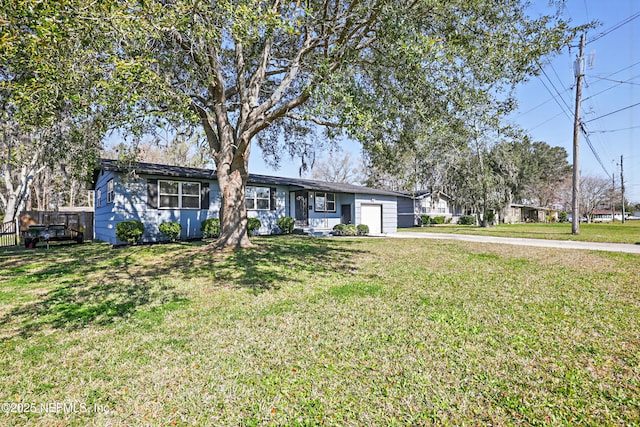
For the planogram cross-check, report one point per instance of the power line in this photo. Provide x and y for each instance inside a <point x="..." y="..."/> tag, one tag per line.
<point x="593" y="150"/>
<point x="614" y="112"/>
<point x="628" y="82"/>
<point x="569" y="115"/>
<point x="619" y="71"/>
<point x="557" y="91"/>
<point x="613" y="130"/>
<point x="613" y="86"/>
<point x="547" y="121"/>
<point x="586" y="9"/>
<point x="615" y="27"/>
<point x="548" y="100"/>
<point x="557" y="76"/>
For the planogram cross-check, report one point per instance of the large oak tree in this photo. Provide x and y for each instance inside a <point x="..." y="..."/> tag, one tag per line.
<point x="275" y="72"/>
<point x="287" y="74"/>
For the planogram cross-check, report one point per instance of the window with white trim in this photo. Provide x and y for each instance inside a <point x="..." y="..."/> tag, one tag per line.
<point x="178" y="195"/>
<point x="98" y="197"/>
<point x="257" y="198"/>
<point x="325" y="202"/>
<point x="110" y="191"/>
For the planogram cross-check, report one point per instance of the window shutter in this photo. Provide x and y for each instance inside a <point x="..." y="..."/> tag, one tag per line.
<point x="273" y="194"/>
<point x="204" y="196"/>
<point x="152" y="193"/>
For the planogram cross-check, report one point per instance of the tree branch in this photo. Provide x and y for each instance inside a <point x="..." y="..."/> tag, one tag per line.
<point x="284" y="85"/>
<point x="313" y="119"/>
<point x="206" y="119"/>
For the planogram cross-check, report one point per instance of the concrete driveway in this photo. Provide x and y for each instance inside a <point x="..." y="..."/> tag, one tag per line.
<point x="541" y="243"/>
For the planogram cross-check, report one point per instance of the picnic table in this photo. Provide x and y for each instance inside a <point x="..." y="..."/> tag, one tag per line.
<point x="50" y="233"/>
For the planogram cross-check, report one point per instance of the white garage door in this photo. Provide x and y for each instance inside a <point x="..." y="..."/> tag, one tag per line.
<point x="371" y="215"/>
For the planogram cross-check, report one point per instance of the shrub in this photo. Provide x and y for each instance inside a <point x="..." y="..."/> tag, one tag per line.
<point x="210" y="227"/>
<point x="425" y="219"/>
<point x="350" y="230"/>
<point x="171" y="230"/>
<point x="467" y="220"/>
<point x="286" y="224"/>
<point x="491" y="217"/>
<point x="563" y="216"/>
<point x="437" y="220"/>
<point x="339" y="229"/>
<point x="253" y="224"/>
<point x="362" y="229"/>
<point x="129" y="231"/>
<point x="345" y="230"/>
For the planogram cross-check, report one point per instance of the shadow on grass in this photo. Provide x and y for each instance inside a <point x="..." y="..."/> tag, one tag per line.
<point x="74" y="287"/>
<point x="77" y="304"/>
<point x="280" y="259"/>
<point x="70" y="288"/>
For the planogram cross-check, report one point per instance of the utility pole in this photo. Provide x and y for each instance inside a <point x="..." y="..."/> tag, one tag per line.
<point x="613" y="198"/>
<point x="579" y="73"/>
<point x="622" y="186"/>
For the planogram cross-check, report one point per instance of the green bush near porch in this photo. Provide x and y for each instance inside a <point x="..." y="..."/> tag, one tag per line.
<point x="286" y="224"/>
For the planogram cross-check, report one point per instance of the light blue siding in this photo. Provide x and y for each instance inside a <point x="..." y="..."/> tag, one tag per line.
<point x="269" y="218"/>
<point x="105" y="214"/>
<point x="325" y="221"/>
<point x="389" y="210"/>
<point x="130" y="202"/>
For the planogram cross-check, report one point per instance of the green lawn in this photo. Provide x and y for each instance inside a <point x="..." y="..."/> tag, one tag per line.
<point x="629" y="232"/>
<point x="309" y="331"/>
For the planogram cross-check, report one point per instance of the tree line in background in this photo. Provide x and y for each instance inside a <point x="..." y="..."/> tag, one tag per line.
<point x="424" y="79"/>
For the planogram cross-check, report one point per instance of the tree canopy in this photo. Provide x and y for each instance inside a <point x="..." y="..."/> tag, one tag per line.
<point x="48" y="79"/>
<point x="289" y="76"/>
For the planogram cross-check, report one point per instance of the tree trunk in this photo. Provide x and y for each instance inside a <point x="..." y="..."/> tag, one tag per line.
<point x="233" y="211"/>
<point x="10" y="209"/>
<point x="72" y="194"/>
<point x="17" y="197"/>
<point x="485" y="208"/>
<point x="232" y="169"/>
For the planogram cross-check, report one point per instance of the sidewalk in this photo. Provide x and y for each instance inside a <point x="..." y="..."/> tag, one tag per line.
<point x="541" y="243"/>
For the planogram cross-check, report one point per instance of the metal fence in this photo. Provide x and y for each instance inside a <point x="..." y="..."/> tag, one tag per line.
<point x="8" y="234"/>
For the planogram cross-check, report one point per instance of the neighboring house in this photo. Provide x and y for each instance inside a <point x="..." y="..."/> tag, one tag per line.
<point x="517" y="213"/>
<point x="605" y="215"/>
<point x="160" y="193"/>
<point x="414" y="206"/>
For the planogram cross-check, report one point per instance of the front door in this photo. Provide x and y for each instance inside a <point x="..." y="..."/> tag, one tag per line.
<point x="345" y="214"/>
<point x="302" y="208"/>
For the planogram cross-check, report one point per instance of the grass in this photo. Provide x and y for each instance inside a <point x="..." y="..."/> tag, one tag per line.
<point x="629" y="232"/>
<point x="308" y="331"/>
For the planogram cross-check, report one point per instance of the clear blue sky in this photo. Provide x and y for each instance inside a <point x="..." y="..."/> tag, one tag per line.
<point x="612" y="56"/>
<point x="611" y="83"/>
